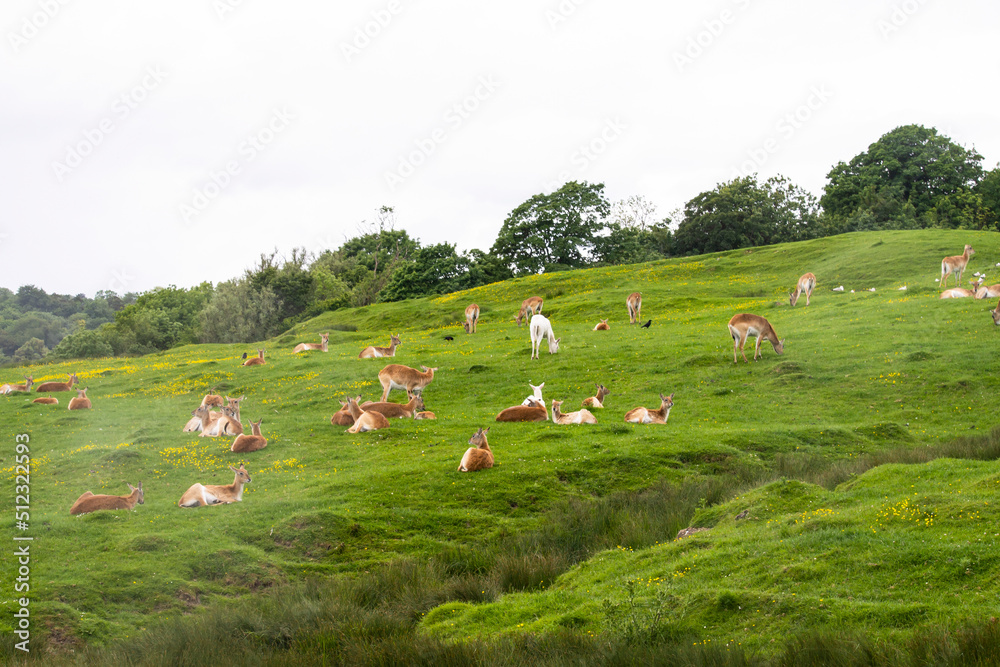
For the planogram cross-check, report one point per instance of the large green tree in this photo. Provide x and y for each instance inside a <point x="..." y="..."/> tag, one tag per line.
<point x="553" y="231"/>
<point x="911" y="166"/>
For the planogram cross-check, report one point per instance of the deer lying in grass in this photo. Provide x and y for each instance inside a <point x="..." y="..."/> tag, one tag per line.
<point x="396" y="410"/>
<point x="410" y="380"/>
<point x="598" y="400"/>
<point x="807" y="283"/>
<point x="471" y="318"/>
<point x="59" y="386"/>
<point x="602" y="326"/>
<point x="199" y="495"/>
<point x="9" y="388"/>
<point x="744" y="325"/>
<point x="209" y="421"/>
<point x="957" y="293"/>
<point x="343" y="416"/>
<point x="249" y="443"/>
<point x="650" y="416"/>
<point x="363" y="420"/>
<point x="532" y="305"/>
<point x="536" y="395"/>
<point x="47" y="400"/>
<point x="89" y="502"/>
<point x="996" y="314"/>
<point x="229" y="422"/>
<point x="478" y="457"/>
<point x="372" y="352"/>
<point x="256" y="361"/>
<point x="986" y="291"/>
<point x="541" y="328"/>
<point x="80" y="401"/>
<point x="212" y="400"/>
<point x="322" y="346"/>
<point x="424" y="415"/>
<point x="533" y="412"/>
<point x="634" y="305"/>
<point x="956" y="264"/>
<point x="582" y="416"/>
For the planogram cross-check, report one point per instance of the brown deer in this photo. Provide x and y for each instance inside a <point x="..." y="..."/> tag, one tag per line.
<point x="582" y="416"/>
<point x="396" y="410"/>
<point x="745" y="325"/>
<point x="996" y="314"/>
<point x="365" y="421"/>
<point x="424" y="415"/>
<point x="957" y="293"/>
<point x="47" y="400"/>
<point x="89" y="502"/>
<point x="807" y="283"/>
<point x="534" y="412"/>
<point x="650" y="416"/>
<point x="209" y="421"/>
<point x="249" y="443"/>
<point x="955" y="264"/>
<point x="602" y="326"/>
<point x="80" y="401"/>
<point x="410" y="380"/>
<point x="199" y="495"/>
<point x="471" y="318"/>
<point x="256" y="361"/>
<point x="478" y="457"/>
<point x="9" y="388"/>
<point x="634" y="305"/>
<point x="322" y="346"/>
<point x="58" y="386"/>
<point x="372" y="352"/>
<point x="598" y="400"/>
<point x="212" y="400"/>
<point x="343" y="416"/>
<point x="530" y="306"/>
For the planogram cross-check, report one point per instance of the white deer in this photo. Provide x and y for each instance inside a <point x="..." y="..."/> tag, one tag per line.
<point x="540" y="327"/>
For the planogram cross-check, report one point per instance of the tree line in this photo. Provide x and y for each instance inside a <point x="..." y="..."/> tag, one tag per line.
<point x="911" y="178"/>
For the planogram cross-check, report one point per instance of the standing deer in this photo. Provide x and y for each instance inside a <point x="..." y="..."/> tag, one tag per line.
<point x="256" y="361"/>
<point x="365" y="421"/>
<point x="955" y="264"/>
<point x="541" y="328"/>
<point x="89" y="502"/>
<point x="601" y="326"/>
<point x="478" y="457"/>
<point x="372" y="352"/>
<point x="807" y="283"/>
<point x="8" y="388"/>
<point x="533" y="412"/>
<point x="596" y="401"/>
<point x="410" y="380"/>
<point x="582" y="416"/>
<point x="471" y="318"/>
<point x="59" y="386"/>
<point x="80" y="401"/>
<point x="249" y="443"/>
<point x="744" y="325"/>
<point x="532" y="305"/>
<point x="650" y="416"/>
<point x="634" y="305"/>
<point x="322" y="346"/>
<point x="199" y="495"/>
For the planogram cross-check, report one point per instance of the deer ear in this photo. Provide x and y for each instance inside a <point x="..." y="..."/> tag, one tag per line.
<point x="130" y="487"/>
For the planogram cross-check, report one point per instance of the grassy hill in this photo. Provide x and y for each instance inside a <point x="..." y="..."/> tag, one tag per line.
<point x="864" y="374"/>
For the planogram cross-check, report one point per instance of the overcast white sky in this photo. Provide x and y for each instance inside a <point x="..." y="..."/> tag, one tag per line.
<point x="155" y="143"/>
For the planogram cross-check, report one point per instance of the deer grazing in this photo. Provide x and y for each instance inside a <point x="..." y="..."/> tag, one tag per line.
<point x="532" y="305"/>
<point x="582" y="416"/>
<point x="634" y="305"/>
<point x="59" y="386"/>
<point x="596" y="401"/>
<point x="249" y="443"/>
<point x="396" y="410"/>
<point x="479" y="456"/>
<point x="410" y="380"/>
<point x="650" y="416"/>
<point x="199" y="495"/>
<point x="211" y="399"/>
<point x="471" y="318"/>
<point x="533" y="412"/>
<point x="363" y="420"/>
<point x="8" y="388"/>
<point x="957" y="293"/>
<point x="807" y="283"/>
<point x="541" y="328"/>
<point x="744" y="325"/>
<point x="47" y="400"/>
<point x="322" y="346"/>
<point x="89" y="502"/>
<point x="956" y="264"/>
<point x="80" y="401"/>
<point x="256" y="361"/>
<point x="372" y="352"/>
<point x="601" y="326"/>
<point x="536" y="395"/>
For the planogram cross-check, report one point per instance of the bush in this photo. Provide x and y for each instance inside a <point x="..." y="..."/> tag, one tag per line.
<point x="33" y="350"/>
<point x="83" y="344"/>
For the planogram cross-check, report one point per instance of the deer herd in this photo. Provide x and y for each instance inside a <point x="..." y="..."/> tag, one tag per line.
<point x="366" y="416"/>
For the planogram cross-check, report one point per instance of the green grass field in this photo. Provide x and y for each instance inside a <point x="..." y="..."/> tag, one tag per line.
<point x="884" y="553"/>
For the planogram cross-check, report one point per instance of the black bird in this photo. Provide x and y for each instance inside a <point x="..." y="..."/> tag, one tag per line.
<point x="244" y="355"/>
<point x="449" y="338"/>
<point x="646" y="325"/>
